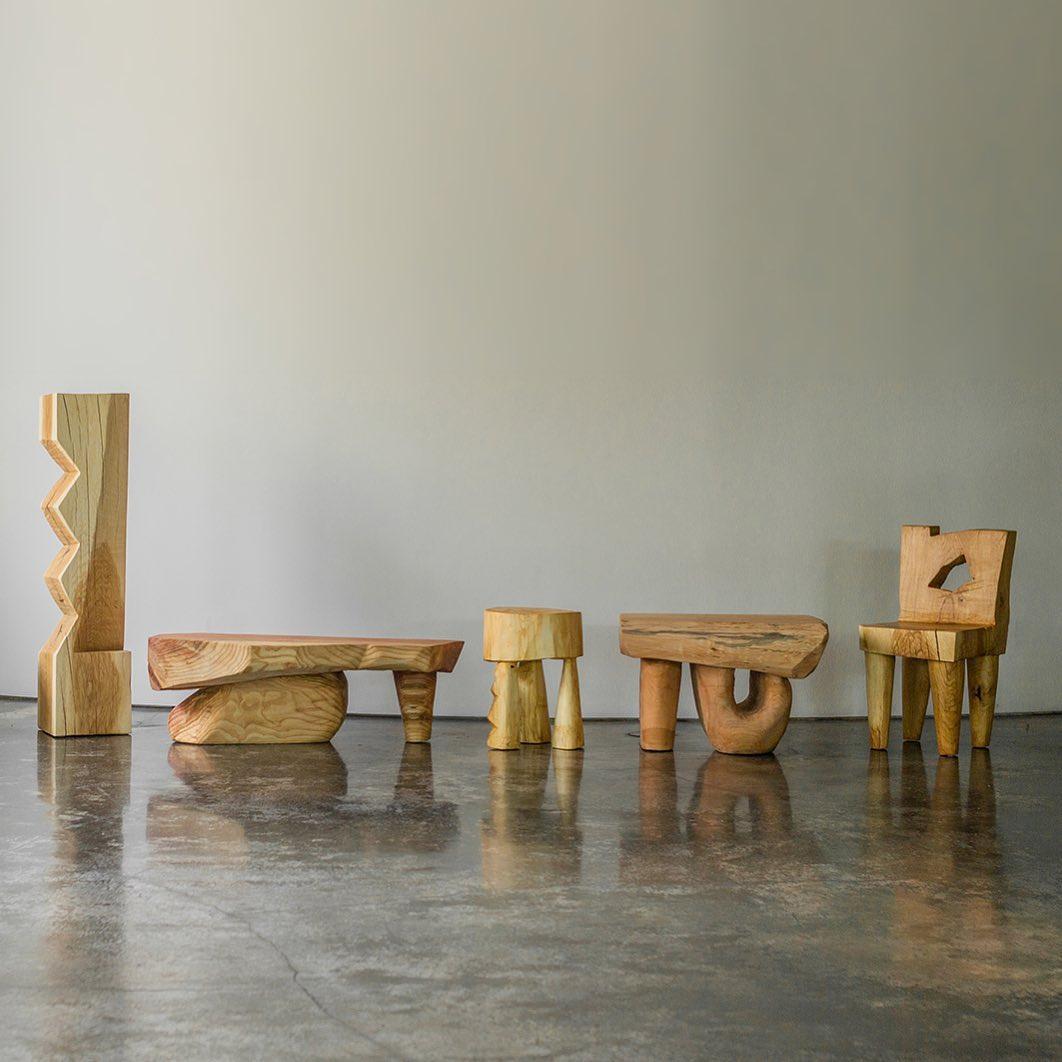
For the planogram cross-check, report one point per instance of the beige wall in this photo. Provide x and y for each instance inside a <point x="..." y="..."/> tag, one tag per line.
<point x="615" y="306"/>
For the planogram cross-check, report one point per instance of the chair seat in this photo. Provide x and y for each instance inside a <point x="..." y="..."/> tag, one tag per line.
<point x="789" y="646"/>
<point x="929" y="641"/>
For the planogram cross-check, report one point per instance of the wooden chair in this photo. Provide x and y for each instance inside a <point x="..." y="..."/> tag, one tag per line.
<point x="938" y="632"/>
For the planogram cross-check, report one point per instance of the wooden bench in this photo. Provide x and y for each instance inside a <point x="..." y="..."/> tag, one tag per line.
<point x="260" y="688"/>
<point x="774" y="649"/>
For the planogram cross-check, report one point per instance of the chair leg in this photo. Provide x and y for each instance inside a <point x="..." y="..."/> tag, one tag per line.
<point x="915" y="694"/>
<point x="981" y="675"/>
<point x="658" y="699"/>
<point x="879" y="697"/>
<point x="946" y="680"/>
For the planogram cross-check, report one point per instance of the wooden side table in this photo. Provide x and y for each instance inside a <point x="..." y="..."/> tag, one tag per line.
<point x="516" y="641"/>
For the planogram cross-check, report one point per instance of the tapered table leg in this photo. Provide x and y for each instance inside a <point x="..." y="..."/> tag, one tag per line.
<point x="946" y="680"/>
<point x="981" y="675"/>
<point x="879" y="697"/>
<point x="568" y="726"/>
<point x="416" y="701"/>
<point x="658" y="698"/>
<point x="915" y="694"/>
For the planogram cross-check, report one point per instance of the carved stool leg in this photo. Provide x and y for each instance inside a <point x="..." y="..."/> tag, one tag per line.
<point x="658" y="699"/>
<point x="914" y="677"/>
<point x="946" y="680"/>
<point x="751" y="728"/>
<point x="568" y="726"/>
<point x="416" y="701"/>
<point x="981" y="675"/>
<point x="504" y="715"/>
<point x="879" y="697"/>
<point x="534" y="704"/>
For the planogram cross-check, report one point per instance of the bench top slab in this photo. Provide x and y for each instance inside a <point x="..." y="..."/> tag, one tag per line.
<point x="189" y="661"/>
<point x="790" y="646"/>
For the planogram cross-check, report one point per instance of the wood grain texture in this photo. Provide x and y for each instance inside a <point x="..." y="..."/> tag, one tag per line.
<point x="982" y="673"/>
<point x="284" y="710"/>
<point x="880" y="669"/>
<point x="534" y="704"/>
<point x="189" y="661"/>
<point x="946" y="682"/>
<point x="83" y="669"/>
<point x="505" y="710"/>
<point x="658" y="697"/>
<point x="941" y="641"/>
<point x="416" y="701"/>
<point x="915" y="696"/>
<point x="751" y="727"/>
<point x="789" y="646"/>
<point x="568" y="724"/>
<point x="518" y="634"/>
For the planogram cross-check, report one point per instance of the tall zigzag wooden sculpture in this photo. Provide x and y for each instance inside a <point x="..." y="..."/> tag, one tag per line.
<point x="83" y="681"/>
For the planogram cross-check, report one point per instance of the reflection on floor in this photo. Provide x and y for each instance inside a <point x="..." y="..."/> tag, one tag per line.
<point x="375" y="899"/>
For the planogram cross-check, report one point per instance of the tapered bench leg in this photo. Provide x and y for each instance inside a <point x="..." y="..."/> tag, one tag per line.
<point x="416" y="701"/>
<point x="504" y="715"/>
<point x="915" y="696"/>
<point x="568" y="726"/>
<point x="946" y="680"/>
<point x="981" y="675"/>
<point x="880" y="670"/>
<point x="534" y="704"/>
<point x="658" y="698"/>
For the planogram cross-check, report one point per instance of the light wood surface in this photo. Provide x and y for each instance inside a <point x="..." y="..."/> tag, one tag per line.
<point x="534" y="704"/>
<point x="915" y="696"/>
<point x="292" y="708"/>
<point x="568" y="725"/>
<point x="946" y="682"/>
<point x="83" y="669"/>
<point x="658" y="698"/>
<point x="982" y="673"/>
<point x="924" y="641"/>
<point x="416" y="701"/>
<point x="880" y="668"/>
<point x="187" y="661"/>
<point x="950" y="629"/>
<point x="505" y="710"/>
<point x="518" y="634"/>
<point x="751" y="727"/>
<point x="790" y="646"/>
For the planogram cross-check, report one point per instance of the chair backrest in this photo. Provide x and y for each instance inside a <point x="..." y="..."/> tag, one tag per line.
<point x="926" y="558"/>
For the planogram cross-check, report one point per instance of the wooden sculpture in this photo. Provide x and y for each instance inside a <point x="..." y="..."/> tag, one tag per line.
<point x="938" y="632"/>
<point x="83" y="677"/>
<point x="517" y="640"/>
<point x="266" y="689"/>
<point x="773" y="648"/>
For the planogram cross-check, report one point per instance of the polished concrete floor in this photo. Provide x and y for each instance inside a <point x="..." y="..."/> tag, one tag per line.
<point x="369" y="899"/>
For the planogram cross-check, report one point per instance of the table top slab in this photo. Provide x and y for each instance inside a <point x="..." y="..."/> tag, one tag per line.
<point x="790" y="646"/>
<point x="189" y="661"/>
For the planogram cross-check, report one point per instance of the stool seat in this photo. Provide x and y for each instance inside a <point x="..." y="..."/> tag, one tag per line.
<point x="790" y="646"/>
<point x="513" y="634"/>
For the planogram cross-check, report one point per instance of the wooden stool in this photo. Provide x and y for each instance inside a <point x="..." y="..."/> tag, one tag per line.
<point x="773" y="648"/>
<point x="938" y="632"/>
<point x="517" y="640"/>
<point x="265" y="689"/>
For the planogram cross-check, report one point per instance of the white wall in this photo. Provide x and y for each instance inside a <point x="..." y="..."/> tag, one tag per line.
<point x="426" y="307"/>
